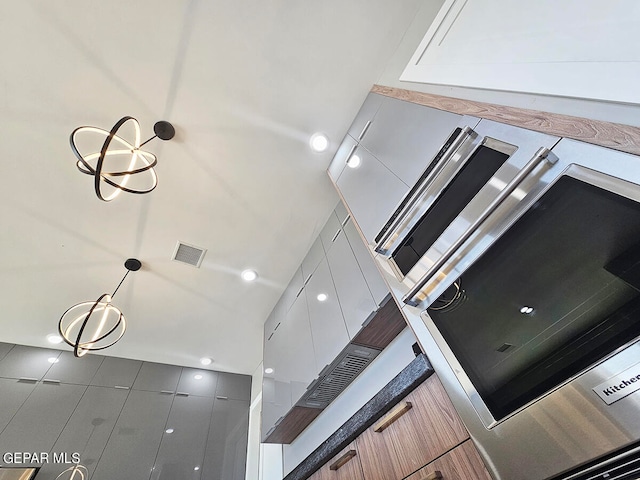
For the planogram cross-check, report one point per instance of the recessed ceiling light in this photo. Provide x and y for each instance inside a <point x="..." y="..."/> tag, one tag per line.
<point x="354" y="161"/>
<point x="319" y="142"/>
<point x="53" y="360"/>
<point x="169" y="430"/>
<point x="268" y="370"/>
<point x="53" y="338"/>
<point x="249" y="275"/>
<point x="206" y="361"/>
<point x="196" y="468"/>
<point x="322" y="297"/>
<point x="526" y="310"/>
<point x="198" y="377"/>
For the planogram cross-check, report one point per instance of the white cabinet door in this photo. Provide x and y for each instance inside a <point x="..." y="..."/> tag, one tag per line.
<point x="328" y="329"/>
<point x="372" y="275"/>
<point x="406" y="136"/>
<point x="372" y="192"/>
<point x="355" y="298"/>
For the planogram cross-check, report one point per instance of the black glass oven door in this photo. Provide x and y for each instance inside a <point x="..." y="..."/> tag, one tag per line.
<point x="557" y="292"/>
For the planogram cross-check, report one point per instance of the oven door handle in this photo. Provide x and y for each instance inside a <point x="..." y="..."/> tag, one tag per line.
<point x="414" y="297"/>
<point x="394" y="230"/>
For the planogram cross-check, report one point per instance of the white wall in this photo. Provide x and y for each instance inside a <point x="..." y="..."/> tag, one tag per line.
<point x="607" y="111"/>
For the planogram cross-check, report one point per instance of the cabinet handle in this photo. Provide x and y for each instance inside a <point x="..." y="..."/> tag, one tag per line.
<point x="436" y="475"/>
<point x="28" y="379"/>
<point x="300" y="291"/>
<point x="166" y="392"/>
<point x="412" y="298"/>
<point x="364" y="130"/>
<point x="342" y="460"/>
<point x="392" y="416"/>
<point x="51" y="381"/>
<point x="346" y="220"/>
<point x="182" y="394"/>
<point x="398" y="227"/>
<point x="351" y="152"/>
<point x="336" y="235"/>
<point x="220" y="397"/>
<point x="121" y="387"/>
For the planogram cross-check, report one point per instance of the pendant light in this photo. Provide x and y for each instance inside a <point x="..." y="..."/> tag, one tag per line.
<point x="77" y="472"/>
<point x="90" y="326"/>
<point x="126" y="159"/>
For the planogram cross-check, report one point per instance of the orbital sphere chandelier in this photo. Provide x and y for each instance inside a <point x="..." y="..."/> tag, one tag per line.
<point x="77" y="472"/>
<point x="90" y="326"/>
<point x="126" y="160"/>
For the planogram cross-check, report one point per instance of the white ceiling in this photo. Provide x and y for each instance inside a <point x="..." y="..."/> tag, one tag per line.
<point x="245" y="83"/>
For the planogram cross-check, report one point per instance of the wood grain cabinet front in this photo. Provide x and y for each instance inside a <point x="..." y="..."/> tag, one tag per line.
<point x="461" y="463"/>
<point x="344" y="466"/>
<point x="422" y="427"/>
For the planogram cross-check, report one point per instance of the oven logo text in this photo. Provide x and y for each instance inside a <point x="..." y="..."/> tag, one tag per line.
<point x="618" y="387"/>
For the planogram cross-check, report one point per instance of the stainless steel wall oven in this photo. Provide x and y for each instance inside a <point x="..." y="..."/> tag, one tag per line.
<point x="522" y="252"/>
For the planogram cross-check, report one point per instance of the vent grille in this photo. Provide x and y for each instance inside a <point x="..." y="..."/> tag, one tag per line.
<point x="189" y="254"/>
<point x="337" y="376"/>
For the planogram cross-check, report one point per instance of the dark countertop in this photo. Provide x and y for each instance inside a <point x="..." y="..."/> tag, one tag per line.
<point x="400" y="386"/>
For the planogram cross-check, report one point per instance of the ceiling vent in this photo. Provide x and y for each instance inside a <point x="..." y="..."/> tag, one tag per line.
<point x="189" y="254"/>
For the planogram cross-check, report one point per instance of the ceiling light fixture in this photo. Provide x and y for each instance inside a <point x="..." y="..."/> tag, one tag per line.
<point x="53" y="360"/>
<point x="322" y="297"/>
<point x="268" y="370"/>
<point x="197" y="377"/>
<point x="354" y="161"/>
<point x="127" y="158"/>
<point x="526" y="310"/>
<point x="169" y="430"/>
<point x="249" y="275"/>
<point x="206" y="361"/>
<point x="90" y="326"/>
<point x="54" y="338"/>
<point x="319" y="142"/>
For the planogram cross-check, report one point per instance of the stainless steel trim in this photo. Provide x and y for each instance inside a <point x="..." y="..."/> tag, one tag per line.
<point x="402" y="224"/>
<point x="415" y="297"/>
<point x="364" y="130"/>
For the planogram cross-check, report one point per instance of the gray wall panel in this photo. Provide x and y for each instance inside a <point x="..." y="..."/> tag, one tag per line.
<point x="133" y="446"/>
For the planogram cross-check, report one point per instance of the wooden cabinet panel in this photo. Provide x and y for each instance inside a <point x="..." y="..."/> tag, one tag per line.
<point x="344" y="466"/>
<point x="378" y="457"/>
<point x="461" y="463"/>
<point x="420" y="434"/>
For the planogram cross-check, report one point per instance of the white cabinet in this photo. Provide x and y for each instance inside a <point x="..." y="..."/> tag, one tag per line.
<point x="371" y="191"/>
<point x="372" y="275"/>
<point x="328" y="329"/>
<point x="398" y="145"/>
<point x="334" y="298"/>
<point x="406" y="136"/>
<point x="355" y="298"/>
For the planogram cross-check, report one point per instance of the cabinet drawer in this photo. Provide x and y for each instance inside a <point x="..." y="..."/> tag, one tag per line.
<point x="423" y="426"/>
<point x="344" y="466"/>
<point x="461" y="463"/>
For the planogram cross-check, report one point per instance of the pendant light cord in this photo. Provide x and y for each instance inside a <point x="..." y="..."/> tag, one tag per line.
<point x="125" y="276"/>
